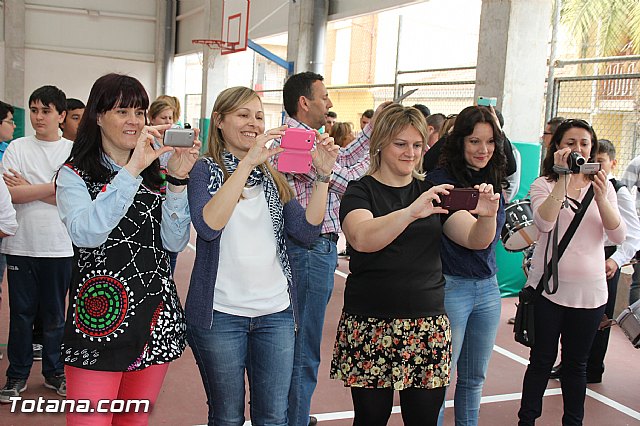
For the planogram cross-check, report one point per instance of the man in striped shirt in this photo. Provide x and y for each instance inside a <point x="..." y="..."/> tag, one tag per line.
<point x="307" y="103"/>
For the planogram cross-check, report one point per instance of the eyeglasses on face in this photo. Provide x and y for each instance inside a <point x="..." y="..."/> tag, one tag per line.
<point x="13" y="123"/>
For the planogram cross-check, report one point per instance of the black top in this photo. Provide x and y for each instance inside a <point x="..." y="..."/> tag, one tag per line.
<point x="404" y="279"/>
<point x="432" y="156"/>
<point x="124" y="312"/>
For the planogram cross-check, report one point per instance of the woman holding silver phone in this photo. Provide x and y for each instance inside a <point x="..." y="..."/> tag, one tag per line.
<point x="125" y="323"/>
<point x="472" y="154"/>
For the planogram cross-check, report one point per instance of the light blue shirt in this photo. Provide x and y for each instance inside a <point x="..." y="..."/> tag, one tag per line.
<point x="89" y="222"/>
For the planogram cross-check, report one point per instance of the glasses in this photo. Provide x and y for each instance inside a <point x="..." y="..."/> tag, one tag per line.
<point x="13" y="123"/>
<point x="547" y="133"/>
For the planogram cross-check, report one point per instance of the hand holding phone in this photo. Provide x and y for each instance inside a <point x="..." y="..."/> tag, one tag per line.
<point x="297" y="145"/>
<point x="487" y="101"/>
<point x="460" y="199"/>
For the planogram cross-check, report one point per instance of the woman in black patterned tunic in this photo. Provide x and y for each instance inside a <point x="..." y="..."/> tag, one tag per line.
<point x="125" y="322"/>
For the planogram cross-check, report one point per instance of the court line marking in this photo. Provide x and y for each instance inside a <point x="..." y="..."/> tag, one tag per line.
<point x="342" y="415"/>
<point x="593" y="394"/>
<point x="341" y="274"/>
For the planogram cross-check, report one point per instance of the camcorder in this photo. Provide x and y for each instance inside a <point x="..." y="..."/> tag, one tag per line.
<point x="578" y="164"/>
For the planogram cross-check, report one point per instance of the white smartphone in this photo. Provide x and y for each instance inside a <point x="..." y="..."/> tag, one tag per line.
<point x="179" y="137"/>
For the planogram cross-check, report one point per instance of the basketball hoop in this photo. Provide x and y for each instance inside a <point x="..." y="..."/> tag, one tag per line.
<point x="225" y="47"/>
<point x="233" y="27"/>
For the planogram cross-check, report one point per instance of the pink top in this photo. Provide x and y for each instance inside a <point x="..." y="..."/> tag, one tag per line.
<point x="581" y="270"/>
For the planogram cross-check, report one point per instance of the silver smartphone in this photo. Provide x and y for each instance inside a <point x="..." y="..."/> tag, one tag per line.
<point x="179" y="137"/>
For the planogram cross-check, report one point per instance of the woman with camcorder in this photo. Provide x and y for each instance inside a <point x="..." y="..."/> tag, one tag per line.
<point x="573" y="312"/>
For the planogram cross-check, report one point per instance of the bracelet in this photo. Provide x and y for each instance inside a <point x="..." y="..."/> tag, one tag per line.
<point x="324" y="178"/>
<point x="175" y="181"/>
<point x="553" y="197"/>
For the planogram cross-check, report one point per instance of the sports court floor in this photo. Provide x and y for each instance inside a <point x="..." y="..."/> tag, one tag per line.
<point x="614" y="402"/>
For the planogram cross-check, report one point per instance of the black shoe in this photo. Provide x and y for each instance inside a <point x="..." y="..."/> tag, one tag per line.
<point x="14" y="387"/>
<point x="556" y="372"/>
<point x="37" y="352"/>
<point x="594" y="378"/>
<point x="313" y="421"/>
<point x="58" y="383"/>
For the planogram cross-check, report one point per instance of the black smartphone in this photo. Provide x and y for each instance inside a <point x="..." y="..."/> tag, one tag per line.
<point x="460" y="199"/>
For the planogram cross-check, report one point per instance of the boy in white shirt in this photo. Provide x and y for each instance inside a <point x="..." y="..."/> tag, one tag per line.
<point x="39" y="255"/>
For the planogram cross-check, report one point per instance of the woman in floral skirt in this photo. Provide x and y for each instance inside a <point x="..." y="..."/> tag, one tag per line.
<point x="394" y="333"/>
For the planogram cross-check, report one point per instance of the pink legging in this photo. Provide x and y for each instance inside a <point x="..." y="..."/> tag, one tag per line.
<point x="96" y="385"/>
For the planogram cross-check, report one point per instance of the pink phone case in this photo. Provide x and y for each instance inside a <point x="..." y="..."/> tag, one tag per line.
<point x="297" y="144"/>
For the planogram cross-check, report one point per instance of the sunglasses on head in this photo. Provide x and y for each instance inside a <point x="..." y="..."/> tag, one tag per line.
<point x="573" y="121"/>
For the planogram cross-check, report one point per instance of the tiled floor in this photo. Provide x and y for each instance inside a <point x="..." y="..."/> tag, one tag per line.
<point x="614" y="402"/>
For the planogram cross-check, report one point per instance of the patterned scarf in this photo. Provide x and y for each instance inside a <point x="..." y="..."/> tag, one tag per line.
<point x="257" y="177"/>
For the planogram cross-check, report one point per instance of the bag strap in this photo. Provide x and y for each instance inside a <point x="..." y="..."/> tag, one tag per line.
<point x="551" y="269"/>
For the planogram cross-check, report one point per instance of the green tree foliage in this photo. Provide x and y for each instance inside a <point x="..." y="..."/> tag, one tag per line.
<point x="613" y="24"/>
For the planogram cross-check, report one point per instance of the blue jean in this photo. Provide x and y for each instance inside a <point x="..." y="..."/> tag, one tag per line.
<point x="473" y="307"/>
<point x="173" y="259"/>
<point x="313" y="271"/>
<point x="263" y="346"/>
<point x="634" y="288"/>
<point x="36" y="283"/>
<point x="576" y="329"/>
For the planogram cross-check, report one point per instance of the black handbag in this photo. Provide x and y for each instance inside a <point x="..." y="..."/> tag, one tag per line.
<point x="524" y="325"/>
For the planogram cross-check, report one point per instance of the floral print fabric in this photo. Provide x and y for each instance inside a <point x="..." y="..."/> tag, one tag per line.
<point x="396" y="353"/>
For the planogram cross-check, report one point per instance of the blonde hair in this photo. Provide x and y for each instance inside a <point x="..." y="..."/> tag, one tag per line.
<point x="340" y="131"/>
<point x="393" y="120"/>
<point x="160" y="105"/>
<point x="228" y="101"/>
<point x="173" y="103"/>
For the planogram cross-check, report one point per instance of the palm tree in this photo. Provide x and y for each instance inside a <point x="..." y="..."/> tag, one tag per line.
<point x="613" y="24"/>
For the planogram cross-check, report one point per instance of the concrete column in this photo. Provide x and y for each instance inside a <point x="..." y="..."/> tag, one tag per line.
<point x="165" y="45"/>
<point x="306" y="32"/>
<point x="14" y="24"/>
<point x="512" y="62"/>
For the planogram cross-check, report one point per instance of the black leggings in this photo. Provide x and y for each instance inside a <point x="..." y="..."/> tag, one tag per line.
<point x="420" y="407"/>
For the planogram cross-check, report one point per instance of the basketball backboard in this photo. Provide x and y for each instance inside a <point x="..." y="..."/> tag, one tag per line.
<point x="234" y="27"/>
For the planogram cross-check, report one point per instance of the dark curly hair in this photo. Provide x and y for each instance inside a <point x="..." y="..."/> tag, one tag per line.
<point x="452" y="157"/>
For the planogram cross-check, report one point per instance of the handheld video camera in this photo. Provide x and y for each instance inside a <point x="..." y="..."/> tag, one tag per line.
<point x="578" y="164"/>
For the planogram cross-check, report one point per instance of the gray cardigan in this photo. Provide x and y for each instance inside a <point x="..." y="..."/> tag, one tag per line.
<point x="199" y="304"/>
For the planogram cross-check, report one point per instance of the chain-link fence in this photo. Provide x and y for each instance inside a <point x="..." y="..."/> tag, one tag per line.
<point x="607" y="95"/>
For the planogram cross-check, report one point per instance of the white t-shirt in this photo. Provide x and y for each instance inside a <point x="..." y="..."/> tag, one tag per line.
<point x="250" y="281"/>
<point x="40" y="233"/>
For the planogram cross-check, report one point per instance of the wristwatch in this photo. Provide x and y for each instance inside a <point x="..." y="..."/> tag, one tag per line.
<point x="324" y="178"/>
<point x="175" y="181"/>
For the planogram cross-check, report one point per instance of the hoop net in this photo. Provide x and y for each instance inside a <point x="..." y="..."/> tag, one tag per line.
<point x="225" y="47"/>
